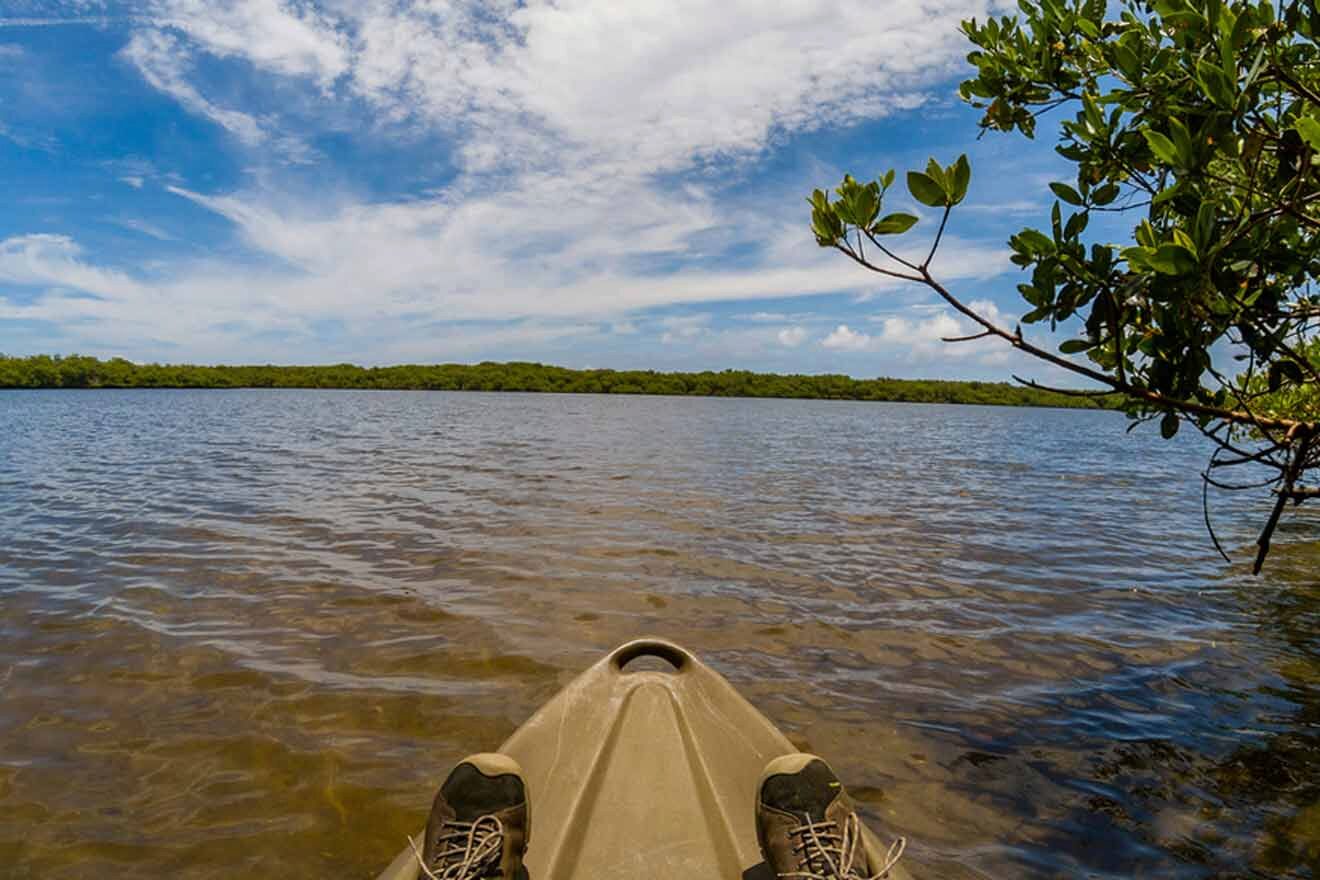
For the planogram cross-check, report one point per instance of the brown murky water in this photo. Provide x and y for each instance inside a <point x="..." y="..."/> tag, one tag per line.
<point x="244" y="633"/>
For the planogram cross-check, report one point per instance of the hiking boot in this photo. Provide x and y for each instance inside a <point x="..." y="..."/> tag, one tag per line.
<point x="808" y="827"/>
<point x="480" y="822"/>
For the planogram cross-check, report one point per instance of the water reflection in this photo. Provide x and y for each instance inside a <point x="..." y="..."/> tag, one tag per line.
<point x="245" y="632"/>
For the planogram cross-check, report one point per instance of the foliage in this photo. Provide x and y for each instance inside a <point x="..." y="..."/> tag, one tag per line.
<point x="44" y="371"/>
<point x="1284" y="400"/>
<point x="1196" y="123"/>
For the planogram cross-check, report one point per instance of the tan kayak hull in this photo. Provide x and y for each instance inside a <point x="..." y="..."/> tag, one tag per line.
<point x="643" y="774"/>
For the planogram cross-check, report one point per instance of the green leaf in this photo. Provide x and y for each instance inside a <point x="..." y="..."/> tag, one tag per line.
<point x="961" y="179"/>
<point x="1127" y="62"/>
<point x="1034" y="241"/>
<point x="1215" y="84"/>
<point x="893" y="224"/>
<point x="1076" y="224"/>
<point x="1172" y="259"/>
<point x="1205" y="227"/>
<point x="1165" y="195"/>
<point x="936" y="173"/>
<point x="1185" y="240"/>
<point x="1162" y="147"/>
<point x="1309" y="128"/>
<point x="1182" y="142"/>
<point x="1075" y="346"/>
<point x="887" y="180"/>
<point x="1169" y="425"/>
<point x="825" y="222"/>
<point x="926" y="190"/>
<point x="1067" y="193"/>
<point x="1106" y="194"/>
<point x="866" y="204"/>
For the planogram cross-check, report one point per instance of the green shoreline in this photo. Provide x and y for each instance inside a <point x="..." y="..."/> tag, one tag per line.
<point x="47" y="371"/>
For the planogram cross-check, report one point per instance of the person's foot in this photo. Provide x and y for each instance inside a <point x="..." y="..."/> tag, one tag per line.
<point x="480" y="822"/>
<point x="808" y="827"/>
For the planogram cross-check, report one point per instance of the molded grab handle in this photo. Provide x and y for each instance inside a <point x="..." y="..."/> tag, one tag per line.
<point x="675" y="655"/>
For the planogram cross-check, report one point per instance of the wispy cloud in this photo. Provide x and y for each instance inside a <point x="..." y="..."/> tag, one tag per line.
<point x="137" y="225"/>
<point x="593" y="144"/>
<point x="792" y="337"/>
<point x="166" y="62"/>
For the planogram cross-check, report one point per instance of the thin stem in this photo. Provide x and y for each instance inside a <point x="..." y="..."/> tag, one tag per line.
<point x="936" y="244"/>
<point x="890" y="254"/>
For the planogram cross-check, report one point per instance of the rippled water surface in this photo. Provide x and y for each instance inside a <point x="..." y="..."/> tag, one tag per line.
<point x="243" y="633"/>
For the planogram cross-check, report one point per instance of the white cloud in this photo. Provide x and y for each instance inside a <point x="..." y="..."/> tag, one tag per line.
<point x="922" y="328"/>
<point x="1014" y="206"/>
<point x="165" y="62"/>
<point x="765" y="317"/>
<point x="791" y="337"/>
<point x="920" y="333"/>
<point x="684" y="328"/>
<point x="288" y="38"/>
<point x="55" y="261"/>
<point x="567" y="120"/>
<point x="653" y="84"/>
<point x="136" y="225"/>
<point x="846" y="339"/>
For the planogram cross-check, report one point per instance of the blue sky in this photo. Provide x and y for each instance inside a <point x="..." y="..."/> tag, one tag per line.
<point x="582" y="182"/>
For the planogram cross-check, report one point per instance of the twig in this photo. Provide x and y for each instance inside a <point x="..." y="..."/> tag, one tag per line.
<point x="935" y="245"/>
<point x="852" y="255"/>
<point x="1289" y="478"/>
<point x="1070" y="392"/>
<point x="890" y="254"/>
<point x="982" y="335"/>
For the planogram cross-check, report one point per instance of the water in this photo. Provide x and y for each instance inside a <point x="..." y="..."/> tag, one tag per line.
<point x="245" y="633"/>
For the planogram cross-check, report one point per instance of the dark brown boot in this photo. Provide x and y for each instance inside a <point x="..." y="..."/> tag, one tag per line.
<point x="808" y="827"/>
<point x="480" y="822"/>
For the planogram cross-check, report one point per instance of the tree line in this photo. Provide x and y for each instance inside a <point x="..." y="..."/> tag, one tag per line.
<point x="51" y="371"/>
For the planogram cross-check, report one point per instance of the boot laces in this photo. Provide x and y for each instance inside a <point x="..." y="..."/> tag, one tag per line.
<point x="465" y="850"/>
<point x="827" y="853"/>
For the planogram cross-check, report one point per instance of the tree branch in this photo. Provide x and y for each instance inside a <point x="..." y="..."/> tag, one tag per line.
<point x="874" y="268"/>
<point x="890" y="254"/>
<point x="1125" y="388"/>
<point x="982" y="335"/>
<point x="1289" y="478"/>
<point x="1070" y="392"/>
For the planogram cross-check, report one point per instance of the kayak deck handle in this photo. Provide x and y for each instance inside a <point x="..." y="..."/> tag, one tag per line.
<point x="677" y="657"/>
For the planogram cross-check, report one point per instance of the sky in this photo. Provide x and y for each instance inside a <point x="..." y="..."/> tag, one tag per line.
<point x="592" y="183"/>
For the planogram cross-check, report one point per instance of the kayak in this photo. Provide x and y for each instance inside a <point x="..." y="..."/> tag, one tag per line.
<point x="635" y="771"/>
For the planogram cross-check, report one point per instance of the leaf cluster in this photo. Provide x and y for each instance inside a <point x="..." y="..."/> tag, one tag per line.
<point x="856" y="210"/>
<point x="1200" y="121"/>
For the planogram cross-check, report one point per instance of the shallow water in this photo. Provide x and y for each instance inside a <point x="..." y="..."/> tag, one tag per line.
<point x="246" y="632"/>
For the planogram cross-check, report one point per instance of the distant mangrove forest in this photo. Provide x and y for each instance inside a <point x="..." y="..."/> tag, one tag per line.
<point x="47" y="371"/>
